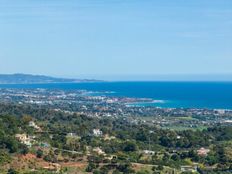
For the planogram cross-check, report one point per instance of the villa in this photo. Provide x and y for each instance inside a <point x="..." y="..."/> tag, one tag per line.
<point x="203" y="152"/>
<point x="97" y="132"/>
<point x="24" y="139"/>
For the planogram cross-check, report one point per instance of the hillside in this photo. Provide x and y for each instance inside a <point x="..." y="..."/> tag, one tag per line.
<point x="30" y="79"/>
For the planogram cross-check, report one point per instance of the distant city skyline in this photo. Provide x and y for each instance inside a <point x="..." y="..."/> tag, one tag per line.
<point x="117" y="39"/>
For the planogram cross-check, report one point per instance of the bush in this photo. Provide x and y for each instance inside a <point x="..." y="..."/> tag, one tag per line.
<point x="12" y="171"/>
<point x="39" y="153"/>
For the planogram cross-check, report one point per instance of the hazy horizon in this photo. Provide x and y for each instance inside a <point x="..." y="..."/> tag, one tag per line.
<point x="157" y="77"/>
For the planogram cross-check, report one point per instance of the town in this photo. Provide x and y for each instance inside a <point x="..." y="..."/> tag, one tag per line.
<point x="105" y="104"/>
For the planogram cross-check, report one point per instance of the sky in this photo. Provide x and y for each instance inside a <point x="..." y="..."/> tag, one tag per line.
<point x="116" y="38"/>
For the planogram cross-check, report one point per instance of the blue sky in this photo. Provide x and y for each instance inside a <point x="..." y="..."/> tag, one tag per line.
<point x="109" y="38"/>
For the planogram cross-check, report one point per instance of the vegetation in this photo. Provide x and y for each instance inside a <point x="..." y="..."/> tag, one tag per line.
<point x="124" y="147"/>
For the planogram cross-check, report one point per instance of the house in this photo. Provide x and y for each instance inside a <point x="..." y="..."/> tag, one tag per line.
<point x="24" y="139"/>
<point x="97" y="132"/>
<point x="99" y="151"/>
<point x="192" y="169"/>
<point x="21" y="137"/>
<point x="53" y="167"/>
<point x="203" y="152"/>
<point x="148" y="152"/>
<point x="35" y="126"/>
<point x="110" y="157"/>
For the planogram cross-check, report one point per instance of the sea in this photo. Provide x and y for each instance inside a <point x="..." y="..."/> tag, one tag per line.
<point x="208" y="95"/>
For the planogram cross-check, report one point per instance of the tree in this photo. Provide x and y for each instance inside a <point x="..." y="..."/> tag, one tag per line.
<point x="104" y="170"/>
<point x="26" y="119"/>
<point x="12" y="171"/>
<point x="175" y="157"/>
<point x="130" y="146"/>
<point x="142" y="136"/>
<point x="160" y="168"/>
<point x="157" y="169"/>
<point x="24" y="150"/>
<point x="125" y="168"/>
<point x="4" y="157"/>
<point x="143" y="172"/>
<point x="11" y="144"/>
<point x="39" y="153"/>
<point x="90" y="167"/>
<point x="96" y="172"/>
<point x="116" y="172"/>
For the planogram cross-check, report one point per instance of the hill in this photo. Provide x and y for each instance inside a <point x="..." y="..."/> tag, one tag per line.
<point x="33" y="79"/>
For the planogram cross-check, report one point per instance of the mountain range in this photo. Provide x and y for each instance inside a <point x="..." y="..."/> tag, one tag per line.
<point x="33" y="79"/>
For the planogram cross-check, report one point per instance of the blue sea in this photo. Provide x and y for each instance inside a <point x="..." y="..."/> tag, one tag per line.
<point x="211" y="95"/>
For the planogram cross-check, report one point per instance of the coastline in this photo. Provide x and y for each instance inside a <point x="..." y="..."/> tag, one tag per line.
<point x="163" y="94"/>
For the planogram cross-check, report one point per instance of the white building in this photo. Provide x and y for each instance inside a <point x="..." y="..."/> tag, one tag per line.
<point x="192" y="169"/>
<point x="24" y="139"/>
<point x="97" y="132"/>
<point x="148" y="152"/>
<point x="71" y="135"/>
<point x="35" y="126"/>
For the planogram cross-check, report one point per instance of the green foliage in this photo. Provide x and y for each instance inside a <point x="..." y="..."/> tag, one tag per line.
<point x="143" y="172"/>
<point x="4" y="157"/>
<point x="8" y="128"/>
<point x="130" y="146"/>
<point x="116" y="172"/>
<point x="125" y="168"/>
<point x="91" y="166"/>
<point x="24" y="149"/>
<point x="131" y="140"/>
<point x="39" y="153"/>
<point x="12" y="171"/>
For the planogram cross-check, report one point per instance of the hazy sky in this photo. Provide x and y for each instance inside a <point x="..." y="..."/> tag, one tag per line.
<point x="80" y="38"/>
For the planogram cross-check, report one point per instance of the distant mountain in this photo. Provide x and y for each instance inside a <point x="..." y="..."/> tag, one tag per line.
<point x="33" y="79"/>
